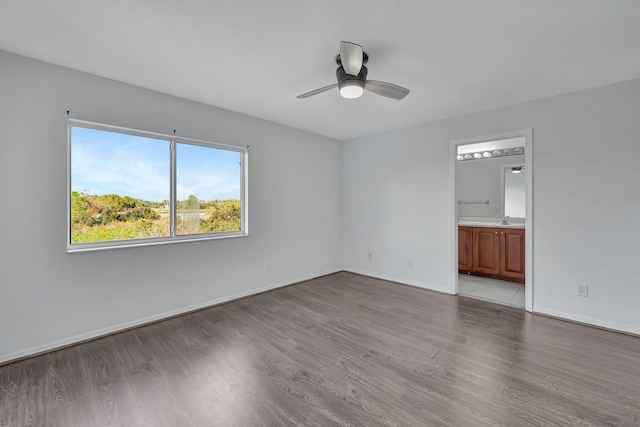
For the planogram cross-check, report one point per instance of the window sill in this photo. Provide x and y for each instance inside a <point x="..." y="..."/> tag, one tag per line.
<point x="117" y="244"/>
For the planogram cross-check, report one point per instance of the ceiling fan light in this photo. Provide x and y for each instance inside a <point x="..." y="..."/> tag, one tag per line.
<point x="351" y="89"/>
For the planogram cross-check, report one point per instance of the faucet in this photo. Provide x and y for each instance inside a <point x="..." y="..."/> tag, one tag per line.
<point x="505" y="220"/>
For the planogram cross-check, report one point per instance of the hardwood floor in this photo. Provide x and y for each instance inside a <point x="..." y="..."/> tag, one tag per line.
<point x="339" y="350"/>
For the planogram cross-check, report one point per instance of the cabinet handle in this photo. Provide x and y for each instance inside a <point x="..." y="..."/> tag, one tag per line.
<point x="502" y="232"/>
<point x="496" y="232"/>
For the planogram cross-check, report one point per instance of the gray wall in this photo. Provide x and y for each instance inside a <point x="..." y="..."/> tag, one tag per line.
<point x="586" y="147"/>
<point x="49" y="298"/>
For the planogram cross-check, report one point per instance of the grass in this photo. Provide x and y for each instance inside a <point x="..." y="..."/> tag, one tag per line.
<point x="145" y="229"/>
<point x="127" y="230"/>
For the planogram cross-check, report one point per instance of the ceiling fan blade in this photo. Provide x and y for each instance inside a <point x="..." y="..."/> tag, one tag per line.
<point x="351" y="57"/>
<point x="386" y="89"/>
<point x="317" y="91"/>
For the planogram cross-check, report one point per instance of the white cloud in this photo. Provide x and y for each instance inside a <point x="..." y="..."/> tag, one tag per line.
<point x="104" y="163"/>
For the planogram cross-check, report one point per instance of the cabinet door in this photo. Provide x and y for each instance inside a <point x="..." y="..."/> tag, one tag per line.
<point x="465" y="239"/>
<point x="486" y="250"/>
<point x="512" y="254"/>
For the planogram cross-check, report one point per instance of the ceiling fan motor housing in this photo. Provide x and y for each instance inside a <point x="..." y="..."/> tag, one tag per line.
<point x="344" y="78"/>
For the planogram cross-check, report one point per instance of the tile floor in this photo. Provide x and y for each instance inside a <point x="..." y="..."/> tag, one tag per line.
<point x="491" y="289"/>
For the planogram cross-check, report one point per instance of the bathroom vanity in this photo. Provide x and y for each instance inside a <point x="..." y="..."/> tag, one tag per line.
<point x="492" y="250"/>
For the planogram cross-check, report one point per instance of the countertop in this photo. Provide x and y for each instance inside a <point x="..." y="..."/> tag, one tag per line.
<point x="488" y="224"/>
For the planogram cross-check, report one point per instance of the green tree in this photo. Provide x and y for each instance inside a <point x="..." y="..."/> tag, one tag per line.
<point x="80" y="209"/>
<point x="191" y="204"/>
<point x="108" y="214"/>
<point x="142" y="212"/>
<point x="225" y="217"/>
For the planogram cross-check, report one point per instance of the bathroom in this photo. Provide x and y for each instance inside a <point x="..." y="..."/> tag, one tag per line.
<point x="491" y="190"/>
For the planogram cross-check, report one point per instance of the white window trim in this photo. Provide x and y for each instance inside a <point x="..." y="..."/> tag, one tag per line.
<point x="173" y="237"/>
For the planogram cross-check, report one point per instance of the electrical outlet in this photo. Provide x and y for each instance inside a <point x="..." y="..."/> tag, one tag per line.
<point x="268" y="266"/>
<point x="370" y="256"/>
<point x="583" y="291"/>
<point x="410" y="262"/>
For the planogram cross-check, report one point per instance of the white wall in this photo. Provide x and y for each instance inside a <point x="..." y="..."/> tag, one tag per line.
<point x="586" y="148"/>
<point x="49" y="297"/>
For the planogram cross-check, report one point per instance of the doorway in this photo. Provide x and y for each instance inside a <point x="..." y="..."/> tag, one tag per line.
<point x="492" y="217"/>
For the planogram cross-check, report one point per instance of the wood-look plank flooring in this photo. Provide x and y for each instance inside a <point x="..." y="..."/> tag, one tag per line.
<point x="335" y="351"/>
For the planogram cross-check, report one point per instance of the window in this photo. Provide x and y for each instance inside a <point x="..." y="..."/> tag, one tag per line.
<point x="129" y="187"/>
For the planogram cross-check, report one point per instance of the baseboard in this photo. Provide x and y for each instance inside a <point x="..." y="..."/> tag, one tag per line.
<point x="585" y="320"/>
<point x="443" y="289"/>
<point x="77" y="339"/>
<point x="588" y="321"/>
<point x="92" y="335"/>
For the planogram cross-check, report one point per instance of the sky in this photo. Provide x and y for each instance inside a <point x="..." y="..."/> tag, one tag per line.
<point x="113" y="163"/>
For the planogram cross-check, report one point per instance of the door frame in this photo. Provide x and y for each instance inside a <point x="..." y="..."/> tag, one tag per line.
<point x="453" y="199"/>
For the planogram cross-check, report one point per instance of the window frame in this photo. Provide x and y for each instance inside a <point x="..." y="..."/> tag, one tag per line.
<point x="173" y="237"/>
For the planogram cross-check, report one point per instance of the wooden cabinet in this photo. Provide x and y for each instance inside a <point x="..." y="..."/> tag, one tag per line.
<point x="486" y="250"/>
<point x="465" y="249"/>
<point x="512" y="254"/>
<point x="493" y="252"/>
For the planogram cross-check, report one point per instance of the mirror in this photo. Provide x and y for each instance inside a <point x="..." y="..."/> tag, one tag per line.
<point x="485" y="182"/>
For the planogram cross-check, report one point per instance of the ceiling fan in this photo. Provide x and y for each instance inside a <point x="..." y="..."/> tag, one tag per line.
<point x="352" y="76"/>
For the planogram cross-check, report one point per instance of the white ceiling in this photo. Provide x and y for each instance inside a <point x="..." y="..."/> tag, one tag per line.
<point x="255" y="57"/>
